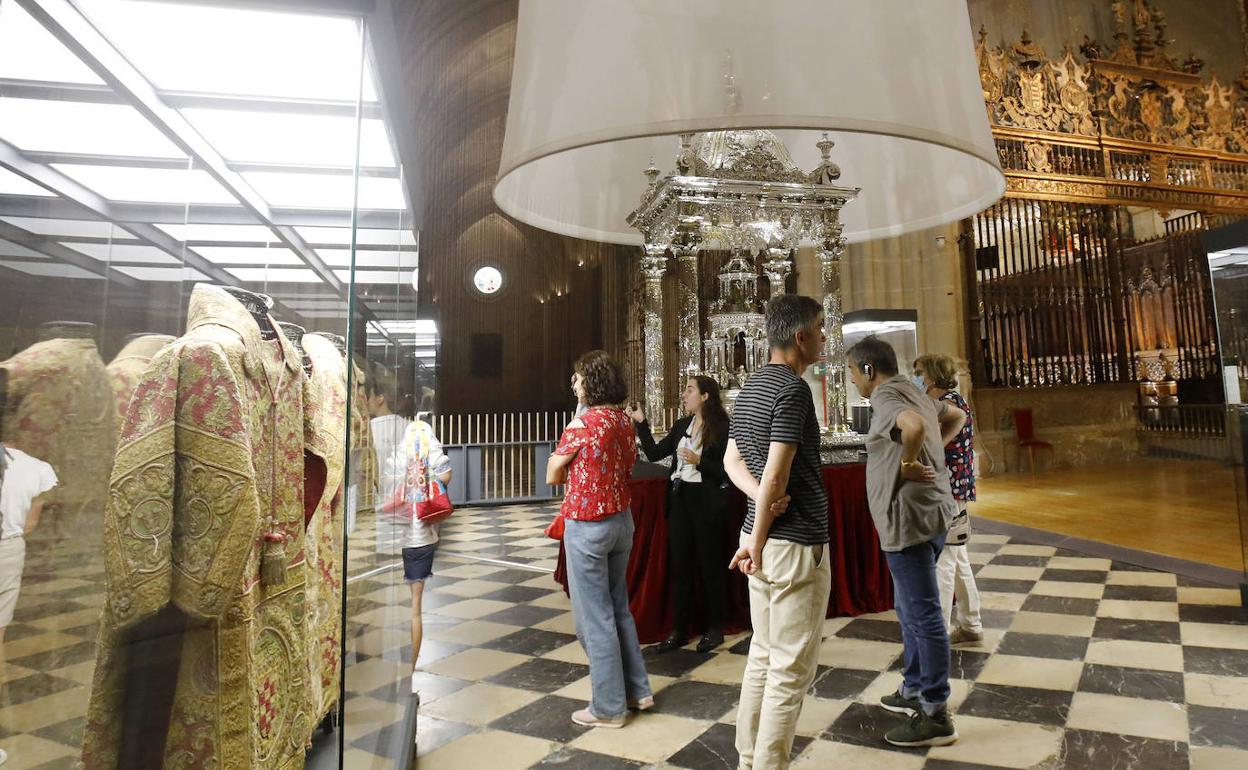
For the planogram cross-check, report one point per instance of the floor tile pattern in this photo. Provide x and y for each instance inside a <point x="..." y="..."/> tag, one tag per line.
<point x="1086" y="663"/>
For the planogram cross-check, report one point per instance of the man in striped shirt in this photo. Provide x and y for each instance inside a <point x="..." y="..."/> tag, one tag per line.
<point x="773" y="454"/>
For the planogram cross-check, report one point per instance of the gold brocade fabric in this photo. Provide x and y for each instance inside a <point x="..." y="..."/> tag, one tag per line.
<point x="325" y="421"/>
<point x="210" y="460"/>
<point x="59" y="409"/>
<point x="127" y="368"/>
<point x="362" y="441"/>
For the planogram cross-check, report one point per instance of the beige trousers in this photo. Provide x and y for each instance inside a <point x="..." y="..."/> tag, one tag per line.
<point x="788" y="602"/>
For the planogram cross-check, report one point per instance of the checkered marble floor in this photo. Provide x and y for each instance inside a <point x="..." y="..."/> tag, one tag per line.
<point x="1088" y="663"/>
<point x="50" y="656"/>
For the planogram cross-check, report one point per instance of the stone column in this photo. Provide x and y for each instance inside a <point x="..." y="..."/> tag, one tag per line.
<point x="777" y="267"/>
<point x="689" y="327"/>
<point x="830" y="253"/>
<point x="653" y="266"/>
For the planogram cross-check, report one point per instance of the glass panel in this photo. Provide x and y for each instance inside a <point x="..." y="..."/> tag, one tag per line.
<point x="391" y="389"/>
<point x="271" y="54"/>
<point x="39" y="125"/>
<point x="292" y="139"/>
<point x="226" y="457"/>
<point x="148" y="185"/>
<point x="326" y="191"/>
<point x="1228" y="265"/>
<point x="13" y="184"/>
<point x="29" y="52"/>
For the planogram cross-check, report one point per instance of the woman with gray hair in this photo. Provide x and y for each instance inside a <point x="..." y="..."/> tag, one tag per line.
<point x="937" y="375"/>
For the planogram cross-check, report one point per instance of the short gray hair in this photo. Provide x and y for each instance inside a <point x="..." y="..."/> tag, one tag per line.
<point x="876" y="352"/>
<point x="787" y="315"/>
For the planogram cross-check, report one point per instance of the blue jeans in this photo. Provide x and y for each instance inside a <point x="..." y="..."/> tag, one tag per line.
<point x="916" y="595"/>
<point x="597" y="559"/>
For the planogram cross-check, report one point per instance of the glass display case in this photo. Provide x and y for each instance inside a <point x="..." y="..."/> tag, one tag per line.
<point x="898" y="328"/>
<point x="210" y="349"/>
<point x="1228" y="264"/>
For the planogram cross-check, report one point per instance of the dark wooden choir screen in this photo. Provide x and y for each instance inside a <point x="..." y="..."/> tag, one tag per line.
<point x="1064" y="296"/>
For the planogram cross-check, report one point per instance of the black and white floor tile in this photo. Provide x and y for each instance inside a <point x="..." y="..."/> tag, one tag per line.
<point x="1087" y="662"/>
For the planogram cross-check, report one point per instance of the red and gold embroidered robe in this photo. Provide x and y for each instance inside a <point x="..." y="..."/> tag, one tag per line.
<point x="210" y="461"/>
<point x="127" y="368"/>
<point x="59" y="408"/>
<point x="325" y="416"/>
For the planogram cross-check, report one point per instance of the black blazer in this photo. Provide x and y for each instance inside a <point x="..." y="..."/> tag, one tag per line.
<point x="712" y="465"/>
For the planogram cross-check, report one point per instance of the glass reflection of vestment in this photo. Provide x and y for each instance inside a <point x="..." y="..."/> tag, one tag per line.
<point x="60" y="409"/>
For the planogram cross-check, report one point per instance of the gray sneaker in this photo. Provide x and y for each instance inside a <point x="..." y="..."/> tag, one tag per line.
<point x="924" y="730"/>
<point x="898" y="704"/>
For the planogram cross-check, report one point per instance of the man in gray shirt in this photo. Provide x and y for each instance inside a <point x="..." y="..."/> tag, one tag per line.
<point x="911" y="502"/>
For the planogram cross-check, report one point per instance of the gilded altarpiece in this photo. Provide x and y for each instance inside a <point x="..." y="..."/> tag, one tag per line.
<point x="1064" y="288"/>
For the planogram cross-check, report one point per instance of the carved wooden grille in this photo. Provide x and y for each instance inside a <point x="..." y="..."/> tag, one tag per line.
<point x="1063" y="297"/>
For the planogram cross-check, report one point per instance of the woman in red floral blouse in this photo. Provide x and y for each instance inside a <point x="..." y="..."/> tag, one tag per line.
<point x="595" y="459"/>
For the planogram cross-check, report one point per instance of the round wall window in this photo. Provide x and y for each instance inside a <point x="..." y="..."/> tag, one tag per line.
<point x="488" y="280"/>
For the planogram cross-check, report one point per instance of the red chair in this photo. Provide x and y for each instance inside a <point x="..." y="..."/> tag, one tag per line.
<point x="1025" y="434"/>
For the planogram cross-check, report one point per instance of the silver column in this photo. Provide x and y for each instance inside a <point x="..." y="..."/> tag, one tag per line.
<point x="833" y="248"/>
<point x="653" y="266"/>
<point x="688" y="315"/>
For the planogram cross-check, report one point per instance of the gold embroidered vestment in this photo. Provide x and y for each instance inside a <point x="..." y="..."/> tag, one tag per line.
<point x="125" y="370"/>
<point x="210" y="460"/>
<point x="325" y="417"/>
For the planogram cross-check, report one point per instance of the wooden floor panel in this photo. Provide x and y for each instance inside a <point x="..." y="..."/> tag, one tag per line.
<point x="1184" y="509"/>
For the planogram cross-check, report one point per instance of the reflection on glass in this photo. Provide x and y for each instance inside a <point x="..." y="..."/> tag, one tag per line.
<point x="1229" y="270"/>
<point x="177" y="568"/>
<point x="59" y="408"/>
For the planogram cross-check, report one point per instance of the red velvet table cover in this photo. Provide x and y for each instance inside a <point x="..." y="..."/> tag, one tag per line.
<point x="860" y="579"/>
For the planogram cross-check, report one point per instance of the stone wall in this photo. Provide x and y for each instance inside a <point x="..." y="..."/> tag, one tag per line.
<point x="1086" y="424"/>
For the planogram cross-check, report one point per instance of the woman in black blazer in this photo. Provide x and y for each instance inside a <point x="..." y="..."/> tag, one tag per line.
<point x="697" y="505"/>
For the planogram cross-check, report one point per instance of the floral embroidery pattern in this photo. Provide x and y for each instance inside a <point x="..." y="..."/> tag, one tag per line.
<point x="324" y="421"/>
<point x="126" y="370"/>
<point x="210" y="458"/>
<point x="598" y="478"/>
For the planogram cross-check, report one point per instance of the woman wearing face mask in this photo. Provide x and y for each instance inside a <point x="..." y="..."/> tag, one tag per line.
<point x="697" y="508"/>
<point x="937" y="375"/>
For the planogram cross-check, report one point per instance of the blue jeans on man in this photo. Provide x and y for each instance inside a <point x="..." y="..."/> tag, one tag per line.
<point x="597" y="561"/>
<point x="916" y="595"/>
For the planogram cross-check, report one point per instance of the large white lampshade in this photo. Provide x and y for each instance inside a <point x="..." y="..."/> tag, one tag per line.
<point x="600" y="87"/>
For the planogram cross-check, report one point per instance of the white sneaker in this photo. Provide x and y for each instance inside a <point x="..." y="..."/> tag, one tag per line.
<point x="4" y="756"/>
<point x="415" y="689"/>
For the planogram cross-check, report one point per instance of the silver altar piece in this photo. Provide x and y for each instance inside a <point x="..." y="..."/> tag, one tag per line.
<point x="653" y="266"/>
<point x="830" y="253"/>
<point x="735" y="320"/>
<point x="738" y="190"/>
<point x="777" y="268"/>
<point x="688" y="311"/>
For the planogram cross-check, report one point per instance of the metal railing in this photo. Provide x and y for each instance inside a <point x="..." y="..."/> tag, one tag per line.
<point x="501" y="458"/>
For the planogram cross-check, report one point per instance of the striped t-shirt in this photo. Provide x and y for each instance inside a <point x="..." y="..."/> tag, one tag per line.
<point x="776" y="405"/>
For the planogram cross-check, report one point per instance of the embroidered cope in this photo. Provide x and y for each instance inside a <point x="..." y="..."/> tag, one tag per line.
<point x="325" y="415"/>
<point x="210" y="459"/>
<point x="127" y="368"/>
